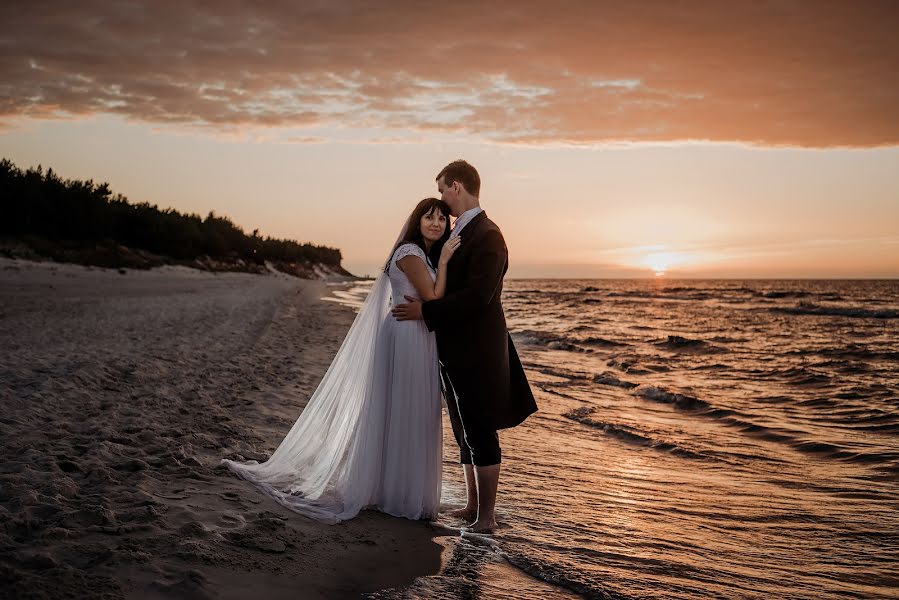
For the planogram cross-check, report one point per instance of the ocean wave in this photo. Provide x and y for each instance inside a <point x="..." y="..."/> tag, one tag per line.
<point x="890" y="472"/>
<point x="781" y="294"/>
<point x="469" y="553"/>
<point x="850" y="395"/>
<point x="722" y="339"/>
<point x="558" y="372"/>
<point x="555" y="392"/>
<point x="533" y="337"/>
<point x="830" y="450"/>
<point x="603" y="342"/>
<point x="866" y="419"/>
<point x="627" y="366"/>
<point x="798" y="441"/>
<point x="862" y="418"/>
<point x="512" y="303"/>
<point x="553" y="341"/>
<point x="631" y="294"/>
<point x="610" y="379"/>
<point x="819" y="402"/>
<point x="693" y="295"/>
<point x="759" y="431"/>
<point x="802" y="376"/>
<point x="884" y="428"/>
<point x="785" y="294"/>
<point x="566" y="346"/>
<point x="631" y="434"/>
<point x="712" y="367"/>
<point x="695" y="405"/>
<point x="807" y="308"/>
<point x="560" y="576"/>
<point x="854" y="351"/>
<point x="846" y="367"/>
<point x="775" y="399"/>
<point x="680" y="343"/>
<point x="681" y="401"/>
<point x="679" y="289"/>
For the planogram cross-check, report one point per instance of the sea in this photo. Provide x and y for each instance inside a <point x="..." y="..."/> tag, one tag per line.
<point x="694" y="439"/>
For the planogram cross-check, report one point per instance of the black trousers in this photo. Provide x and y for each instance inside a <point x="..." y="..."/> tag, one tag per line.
<point x="478" y="441"/>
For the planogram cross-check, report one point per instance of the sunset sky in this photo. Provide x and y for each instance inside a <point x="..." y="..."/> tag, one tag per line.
<point x="614" y="139"/>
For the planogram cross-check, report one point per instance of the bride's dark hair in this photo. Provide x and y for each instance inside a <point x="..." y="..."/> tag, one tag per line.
<point x="413" y="230"/>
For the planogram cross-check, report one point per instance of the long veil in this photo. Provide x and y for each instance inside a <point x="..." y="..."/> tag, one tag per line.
<point x="327" y="467"/>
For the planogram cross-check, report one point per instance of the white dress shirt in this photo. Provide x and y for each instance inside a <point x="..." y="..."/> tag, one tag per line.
<point x="463" y="220"/>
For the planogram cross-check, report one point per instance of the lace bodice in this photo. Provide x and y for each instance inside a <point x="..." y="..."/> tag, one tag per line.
<point x="399" y="284"/>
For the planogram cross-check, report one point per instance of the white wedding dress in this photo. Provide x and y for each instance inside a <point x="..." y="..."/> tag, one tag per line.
<point x="371" y="434"/>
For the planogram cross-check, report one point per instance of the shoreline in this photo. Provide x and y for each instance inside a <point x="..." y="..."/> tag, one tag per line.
<point x="124" y="391"/>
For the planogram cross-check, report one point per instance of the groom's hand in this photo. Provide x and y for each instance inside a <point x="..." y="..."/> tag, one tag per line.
<point x="411" y="311"/>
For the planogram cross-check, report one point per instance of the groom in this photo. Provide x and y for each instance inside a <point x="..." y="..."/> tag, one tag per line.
<point x="483" y="380"/>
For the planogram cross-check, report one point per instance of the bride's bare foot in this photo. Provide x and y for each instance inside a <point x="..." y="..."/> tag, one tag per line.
<point x="482" y="527"/>
<point x="466" y="514"/>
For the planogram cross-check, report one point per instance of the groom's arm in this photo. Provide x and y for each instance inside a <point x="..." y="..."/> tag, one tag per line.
<point x="485" y="273"/>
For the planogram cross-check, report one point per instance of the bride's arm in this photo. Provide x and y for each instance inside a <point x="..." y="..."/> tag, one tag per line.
<point x="415" y="269"/>
<point x="417" y="272"/>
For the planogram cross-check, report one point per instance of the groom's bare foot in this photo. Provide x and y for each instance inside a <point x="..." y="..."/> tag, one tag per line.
<point x="466" y="514"/>
<point x="482" y="527"/>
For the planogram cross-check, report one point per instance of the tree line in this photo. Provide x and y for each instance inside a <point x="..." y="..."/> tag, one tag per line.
<point x="35" y="202"/>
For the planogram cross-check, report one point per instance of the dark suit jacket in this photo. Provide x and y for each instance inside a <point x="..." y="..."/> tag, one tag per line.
<point x="472" y="340"/>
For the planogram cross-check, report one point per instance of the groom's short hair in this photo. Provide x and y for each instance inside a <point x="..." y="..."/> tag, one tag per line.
<point x="464" y="173"/>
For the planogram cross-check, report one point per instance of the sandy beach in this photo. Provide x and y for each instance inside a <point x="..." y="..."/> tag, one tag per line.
<point x="121" y="391"/>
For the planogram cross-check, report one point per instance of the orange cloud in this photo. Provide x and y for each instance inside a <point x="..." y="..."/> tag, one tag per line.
<point x="811" y="73"/>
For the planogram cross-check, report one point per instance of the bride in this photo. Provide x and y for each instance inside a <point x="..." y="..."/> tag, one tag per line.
<point x="371" y="434"/>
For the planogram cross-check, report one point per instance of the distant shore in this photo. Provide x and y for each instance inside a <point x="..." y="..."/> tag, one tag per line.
<point x="123" y="389"/>
<point x="112" y="255"/>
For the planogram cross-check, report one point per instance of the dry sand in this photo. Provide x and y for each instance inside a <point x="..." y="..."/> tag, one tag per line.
<point x="120" y="393"/>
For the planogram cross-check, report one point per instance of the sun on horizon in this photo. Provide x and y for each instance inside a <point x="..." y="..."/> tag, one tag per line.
<point x="661" y="260"/>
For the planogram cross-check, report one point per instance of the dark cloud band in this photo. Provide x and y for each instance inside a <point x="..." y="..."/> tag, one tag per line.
<point x="814" y="73"/>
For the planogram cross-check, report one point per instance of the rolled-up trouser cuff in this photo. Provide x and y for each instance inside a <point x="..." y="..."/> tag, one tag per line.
<point x="484" y="452"/>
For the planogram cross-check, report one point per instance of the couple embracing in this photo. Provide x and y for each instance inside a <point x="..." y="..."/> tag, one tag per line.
<point x="371" y="434"/>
